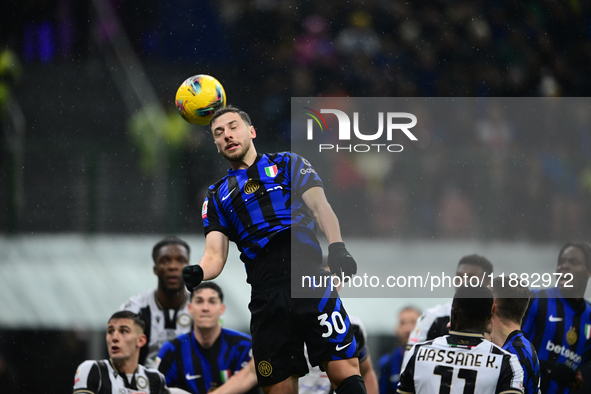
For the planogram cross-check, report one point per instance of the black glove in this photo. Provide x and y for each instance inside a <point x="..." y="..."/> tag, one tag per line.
<point x="192" y="275"/>
<point x="340" y="261"/>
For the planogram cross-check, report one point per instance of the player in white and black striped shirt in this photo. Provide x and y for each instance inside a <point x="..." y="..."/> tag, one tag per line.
<point x="463" y="362"/>
<point x="121" y="373"/>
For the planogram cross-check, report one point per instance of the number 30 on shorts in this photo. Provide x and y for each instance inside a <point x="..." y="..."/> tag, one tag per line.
<point x="337" y="323"/>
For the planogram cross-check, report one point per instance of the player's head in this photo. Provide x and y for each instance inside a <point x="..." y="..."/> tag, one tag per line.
<point x="170" y="255"/>
<point x="574" y="258"/>
<point x="474" y="265"/>
<point x="207" y="305"/>
<point x="407" y="319"/>
<point x="233" y="134"/>
<point x="471" y="309"/>
<point x="125" y="336"/>
<point x="510" y="301"/>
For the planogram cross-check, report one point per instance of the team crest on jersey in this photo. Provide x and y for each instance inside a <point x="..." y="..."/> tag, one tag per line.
<point x="142" y="382"/>
<point x="571" y="336"/>
<point x="271" y="171"/>
<point x="265" y="368"/>
<point x="251" y="186"/>
<point x="184" y="320"/>
<point x="588" y="331"/>
<point x="204" y="210"/>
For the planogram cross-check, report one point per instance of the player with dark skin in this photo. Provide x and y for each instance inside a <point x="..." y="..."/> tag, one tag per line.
<point x="572" y="262"/>
<point x="168" y="265"/>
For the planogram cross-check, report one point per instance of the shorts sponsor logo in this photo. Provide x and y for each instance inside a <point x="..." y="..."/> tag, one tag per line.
<point x="265" y="369"/>
<point x="142" y="382"/>
<point x="251" y="187"/>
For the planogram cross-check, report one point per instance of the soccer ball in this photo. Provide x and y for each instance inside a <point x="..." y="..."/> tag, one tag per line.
<point x="199" y="97"/>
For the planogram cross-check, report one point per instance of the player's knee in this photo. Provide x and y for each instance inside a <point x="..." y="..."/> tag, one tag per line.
<point x="352" y="385"/>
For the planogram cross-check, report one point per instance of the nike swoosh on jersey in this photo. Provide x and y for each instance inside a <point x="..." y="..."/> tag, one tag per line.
<point x="192" y="377"/>
<point x="553" y="319"/>
<point x="228" y="195"/>
<point x="339" y="348"/>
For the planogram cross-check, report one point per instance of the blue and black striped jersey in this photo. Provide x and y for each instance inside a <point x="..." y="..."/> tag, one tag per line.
<point x="390" y="367"/>
<point x="187" y="365"/>
<point x="517" y="344"/>
<point x="560" y="330"/>
<point x="252" y="205"/>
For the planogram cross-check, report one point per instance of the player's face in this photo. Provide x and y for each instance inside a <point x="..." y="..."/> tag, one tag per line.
<point x="232" y="136"/>
<point x="169" y="265"/>
<point x="206" y="308"/>
<point x="407" y="322"/>
<point x="572" y="261"/>
<point x="124" y="339"/>
<point x="470" y="270"/>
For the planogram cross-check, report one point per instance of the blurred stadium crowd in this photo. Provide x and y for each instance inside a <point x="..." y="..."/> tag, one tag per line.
<point x="538" y="185"/>
<point x="495" y="182"/>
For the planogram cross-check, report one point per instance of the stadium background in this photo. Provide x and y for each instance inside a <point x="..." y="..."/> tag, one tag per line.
<point x="95" y="166"/>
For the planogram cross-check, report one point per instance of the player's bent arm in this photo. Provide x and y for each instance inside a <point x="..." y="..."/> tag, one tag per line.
<point x="369" y="376"/>
<point x="215" y="254"/>
<point x="241" y="382"/>
<point x="316" y="201"/>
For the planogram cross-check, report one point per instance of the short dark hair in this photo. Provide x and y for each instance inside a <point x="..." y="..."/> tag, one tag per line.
<point x="473" y="304"/>
<point x="137" y="319"/>
<point x="583" y="246"/>
<point x="169" y="241"/>
<point x="227" y="109"/>
<point x="208" y="285"/>
<point x="478" y="260"/>
<point x="511" y="301"/>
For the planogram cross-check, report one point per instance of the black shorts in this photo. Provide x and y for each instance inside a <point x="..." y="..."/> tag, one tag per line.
<point x="280" y="325"/>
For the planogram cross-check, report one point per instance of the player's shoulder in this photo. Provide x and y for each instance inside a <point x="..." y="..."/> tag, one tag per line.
<point x="234" y="334"/>
<point x="85" y="367"/>
<point x="138" y="301"/>
<point x="437" y="311"/>
<point x="214" y="188"/>
<point x="176" y="342"/>
<point x="149" y="371"/>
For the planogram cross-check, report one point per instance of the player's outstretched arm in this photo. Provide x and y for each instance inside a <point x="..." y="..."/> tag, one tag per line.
<point x="339" y="259"/>
<point x="211" y="264"/>
<point x="243" y="381"/>
<point x="315" y="199"/>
